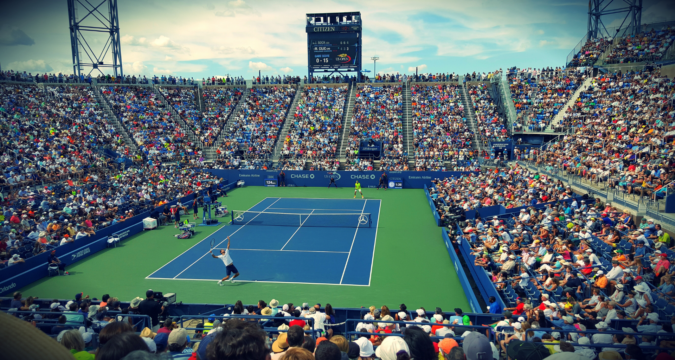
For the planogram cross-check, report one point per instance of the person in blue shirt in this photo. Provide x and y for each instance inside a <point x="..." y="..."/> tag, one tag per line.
<point x="607" y="220"/>
<point x="494" y="307"/>
<point x="640" y="250"/>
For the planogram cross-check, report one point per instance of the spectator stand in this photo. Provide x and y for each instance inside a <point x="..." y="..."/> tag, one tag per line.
<point x="377" y="116"/>
<point x="311" y="134"/>
<point x="182" y="101"/>
<point x="220" y="103"/>
<point x="250" y="138"/>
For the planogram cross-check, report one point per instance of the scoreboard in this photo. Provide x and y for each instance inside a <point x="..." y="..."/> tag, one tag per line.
<point x="334" y="51"/>
<point x="334" y="43"/>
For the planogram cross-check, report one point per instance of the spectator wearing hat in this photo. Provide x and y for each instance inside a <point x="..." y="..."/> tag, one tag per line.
<point x="280" y="345"/>
<point x="390" y="346"/>
<point x="652" y="325"/>
<point x="295" y="337"/>
<point x="177" y="341"/>
<point x="601" y="337"/>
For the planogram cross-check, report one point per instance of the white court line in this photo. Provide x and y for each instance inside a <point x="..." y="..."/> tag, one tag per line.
<point x="296" y="231"/>
<point x="222" y="241"/>
<point x="253" y="281"/>
<point x="163" y="266"/>
<point x="309" y="251"/>
<point x="314" y="209"/>
<point x="377" y="227"/>
<point x="351" y="247"/>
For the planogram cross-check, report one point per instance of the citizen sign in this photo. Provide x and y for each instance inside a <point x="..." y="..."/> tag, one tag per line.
<point x="335" y="175"/>
<point x="302" y="176"/>
<point x="324" y="29"/>
<point x="363" y="177"/>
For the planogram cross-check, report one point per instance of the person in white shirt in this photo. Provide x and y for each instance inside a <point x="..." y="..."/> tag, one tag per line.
<point x="593" y="258"/>
<point x="229" y="264"/>
<point x="319" y="318"/>
<point x="601" y="338"/>
<point x="65" y="241"/>
<point x="615" y="273"/>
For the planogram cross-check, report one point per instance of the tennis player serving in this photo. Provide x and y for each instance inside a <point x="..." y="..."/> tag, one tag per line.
<point x="357" y="187"/>
<point x="229" y="265"/>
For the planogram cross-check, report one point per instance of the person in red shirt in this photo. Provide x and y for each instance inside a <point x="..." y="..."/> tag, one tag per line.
<point x="298" y="322"/>
<point x="15" y="219"/>
<point x="519" y="309"/>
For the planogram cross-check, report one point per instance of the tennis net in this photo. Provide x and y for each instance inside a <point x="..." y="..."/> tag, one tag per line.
<point x="257" y="218"/>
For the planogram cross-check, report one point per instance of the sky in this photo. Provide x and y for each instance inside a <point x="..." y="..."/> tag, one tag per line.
<point x="201" y="38"/>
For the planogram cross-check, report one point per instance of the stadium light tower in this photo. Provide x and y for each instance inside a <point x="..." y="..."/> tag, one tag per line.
<point x="100" y="18"/>
<point x="375" y="58"/>
<point x="597" y="9"/>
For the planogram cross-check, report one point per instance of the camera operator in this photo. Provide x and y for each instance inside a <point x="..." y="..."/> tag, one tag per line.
<point x="152" y="308"/>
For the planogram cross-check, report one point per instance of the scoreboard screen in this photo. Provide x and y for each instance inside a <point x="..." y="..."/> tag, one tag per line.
<point x="334" y="51"/>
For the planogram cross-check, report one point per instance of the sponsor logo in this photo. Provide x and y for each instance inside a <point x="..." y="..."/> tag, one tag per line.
<point x="363" y="177"/>
<point x="343" y="58"/>
<point x="396" y="172"/>
<point x="7" y="288"/>
<point x="391" y="184"/>
<point x="86" y="251"/>
<point x="419" y="177"/>
<point x="302" y="176"/>
<point x="249" y="175"/>
<point x="324" y="29"/>
<point x="123" y="234"/>
<point x="336" y="176"/>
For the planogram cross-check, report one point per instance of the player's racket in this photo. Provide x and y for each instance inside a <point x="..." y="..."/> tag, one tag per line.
<point x="213" y="243"/>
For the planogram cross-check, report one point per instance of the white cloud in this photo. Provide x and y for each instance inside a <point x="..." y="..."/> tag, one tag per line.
<point x="419" y="68"/>
<point x="30" y="66"/>
<point x="540" y="32"/>
<point x="168" y="58"/>
<point x="259" y="66"/>
<point x="130" y="40"/>
<point x="227" y="50"/>
<point x="226" y="13"/>
<point x="138" y="67"/>
<point x="286" y="70"/>
<point x="157" y="70"/>
<point x="543" y="43"/>
<point x="164" y="41"/>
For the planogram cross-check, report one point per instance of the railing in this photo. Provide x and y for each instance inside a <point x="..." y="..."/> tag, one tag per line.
<point x="576" y="49"/>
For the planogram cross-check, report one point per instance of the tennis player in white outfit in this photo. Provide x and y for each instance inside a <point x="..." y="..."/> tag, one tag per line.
<point x="229" y="264"/>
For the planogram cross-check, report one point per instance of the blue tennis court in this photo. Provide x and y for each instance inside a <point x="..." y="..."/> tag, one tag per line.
<point x="289" y="240"/>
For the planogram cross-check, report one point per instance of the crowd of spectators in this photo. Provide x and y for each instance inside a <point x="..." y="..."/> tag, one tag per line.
<point x="576" y="265"/>
<point x="378" y="117"/>
<point x="620" y="135"/>
<point x="315" y="129"/>
<point x="225" y="80"/>
<point x="590" y="52"/>
<point x="440" y="130"/>
<point x="647" y="46"/>
<point x="39" y="217"/>
<point x="52" y="133"/>
<point x="507" y="187"/>
<point x="141" y="111"/>
<point x="251" y="135"/>
<point x="491" y="124"/>
<point x="539" y="95"/>
<point x="219" y="103"/>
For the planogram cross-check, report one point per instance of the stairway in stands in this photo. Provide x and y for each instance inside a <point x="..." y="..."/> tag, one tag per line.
<point x="287" y="122"/>
<point x="347" y="122"/>
<point x="117" y="122"/>
<point x="187" y="129"/>
<point x="210" y="152"/>
<point x="471" y="118"/>
<point x="561" y="114"/>
<point x="408" y="144"/>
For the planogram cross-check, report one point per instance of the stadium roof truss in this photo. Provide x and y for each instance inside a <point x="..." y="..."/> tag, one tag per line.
<point x="97" y="20"/>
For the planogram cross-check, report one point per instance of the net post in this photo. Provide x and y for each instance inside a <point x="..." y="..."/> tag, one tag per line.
<point x="232" y="216"/>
